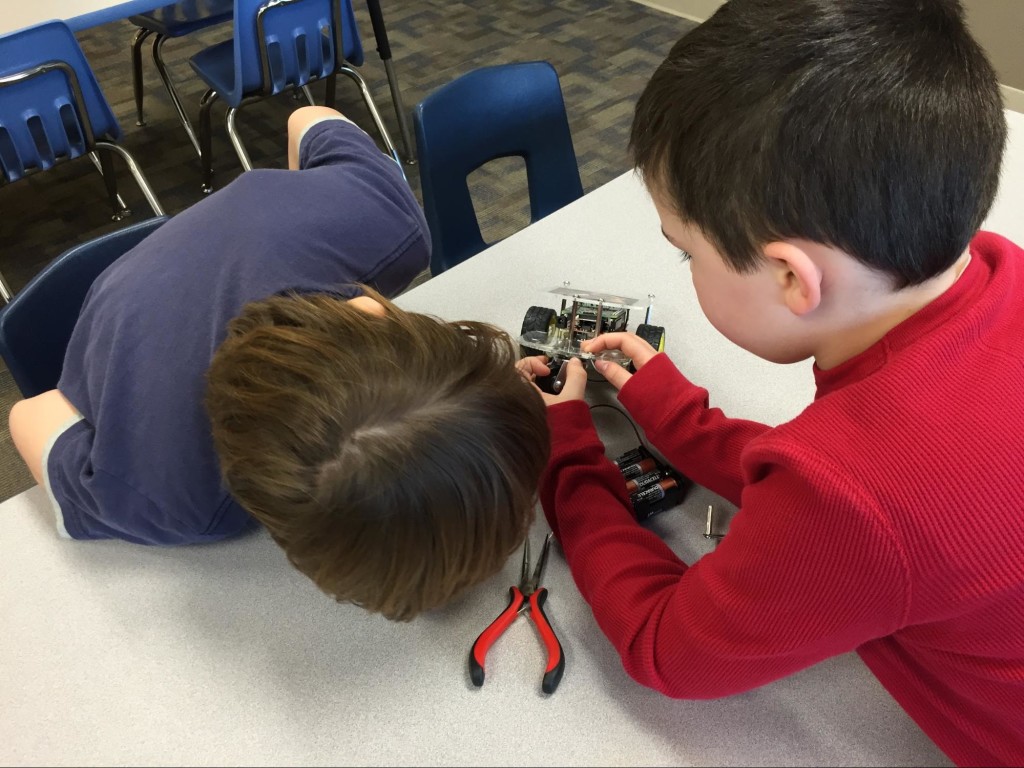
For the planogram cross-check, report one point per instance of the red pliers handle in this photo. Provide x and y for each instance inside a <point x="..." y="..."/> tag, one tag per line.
<point x="517" y="604"/>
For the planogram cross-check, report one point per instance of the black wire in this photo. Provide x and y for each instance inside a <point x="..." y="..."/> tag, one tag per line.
<point x="624" y="415"/>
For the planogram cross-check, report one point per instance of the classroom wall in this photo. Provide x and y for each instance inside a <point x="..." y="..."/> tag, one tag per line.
<point x="997" y="24"/>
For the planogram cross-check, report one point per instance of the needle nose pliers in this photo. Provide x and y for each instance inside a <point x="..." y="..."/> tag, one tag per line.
<point x="526" y="597"/>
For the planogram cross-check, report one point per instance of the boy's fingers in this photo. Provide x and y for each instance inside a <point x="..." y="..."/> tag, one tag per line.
<point x="606" y="341"/>
<point x="616" y="375"/>
<point x="575" y="381"/>
<point x="631" y="345"/>
<point x="533" y="366"/>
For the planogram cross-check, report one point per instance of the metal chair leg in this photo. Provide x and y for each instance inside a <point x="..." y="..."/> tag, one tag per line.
<point x="158" y="59"/>
<point x="380" y="34"/>
<point x="206" y="140"/>
<point x="330" y="90"/>
<point x="236" y="140"/>
<point x="140" y="36"/>
<point x="110" y="180"/>
<point x="5" y="290"/>
<point x="309" y="95"/>
<point x="374" y="113"/>
<point x="95" y="157"/>
<point x="401" y="114"/>
<point x="136" y="172"/>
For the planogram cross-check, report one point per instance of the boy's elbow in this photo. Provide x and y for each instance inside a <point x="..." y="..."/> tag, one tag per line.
<point x="696" y="687"/>
<point x="19" y="423"/>
<point x="34" y="422"/>
<point x="16" y="424"/>
<point x="683" y="670"/>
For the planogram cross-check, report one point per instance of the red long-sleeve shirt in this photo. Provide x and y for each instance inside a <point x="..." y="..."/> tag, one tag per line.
<point x="887" y="518"/>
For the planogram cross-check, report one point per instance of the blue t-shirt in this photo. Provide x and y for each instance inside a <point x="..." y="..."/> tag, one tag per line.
<point x="141" y="464"/>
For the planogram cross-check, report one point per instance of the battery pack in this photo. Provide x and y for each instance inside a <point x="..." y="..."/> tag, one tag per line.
<point x="652" y="485"/>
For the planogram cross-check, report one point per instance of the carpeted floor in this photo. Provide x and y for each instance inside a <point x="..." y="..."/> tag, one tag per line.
<point x="603" y="50"/>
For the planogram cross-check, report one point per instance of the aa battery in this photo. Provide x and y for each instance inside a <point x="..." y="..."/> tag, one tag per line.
<point x="629" y="471"/>
<point x="652" y="487"/>
<point x="654" y="492"/>
<point x="631" y="457"/>
<point x="641" y="481"/>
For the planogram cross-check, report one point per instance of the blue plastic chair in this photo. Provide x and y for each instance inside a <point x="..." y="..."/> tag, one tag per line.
<point x="166" y="23"/>
<point x="279" y="45"/>
<point x="509" y="110"/>
<point x="36" y="325"/>
<point x="52" y="110"/>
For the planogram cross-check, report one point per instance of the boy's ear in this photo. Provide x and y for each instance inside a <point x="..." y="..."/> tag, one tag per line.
<point x="796" y="274"/>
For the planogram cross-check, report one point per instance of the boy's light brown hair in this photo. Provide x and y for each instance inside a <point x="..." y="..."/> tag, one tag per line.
<point x="394" y="458"/>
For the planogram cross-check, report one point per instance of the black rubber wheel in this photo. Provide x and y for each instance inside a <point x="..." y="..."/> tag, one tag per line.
<point x="653" y="335"/>
<point x="537" y="319"/>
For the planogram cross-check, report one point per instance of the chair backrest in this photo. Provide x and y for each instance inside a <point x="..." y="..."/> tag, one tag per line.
<point x="36" y="325"/>
<point x="501" y="111"/>
<point x="42" y="118"/>
<point x="299" y="37"/>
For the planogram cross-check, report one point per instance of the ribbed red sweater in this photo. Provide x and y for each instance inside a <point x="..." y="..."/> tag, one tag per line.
<point x="887" y="518"/>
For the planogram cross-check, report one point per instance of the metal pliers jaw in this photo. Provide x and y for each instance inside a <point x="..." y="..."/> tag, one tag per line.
<point x="528" y="584"/>
<point x="526" y="597"/>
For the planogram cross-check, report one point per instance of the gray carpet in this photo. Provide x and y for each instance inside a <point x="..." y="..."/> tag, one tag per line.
<point x="604" y="51"/>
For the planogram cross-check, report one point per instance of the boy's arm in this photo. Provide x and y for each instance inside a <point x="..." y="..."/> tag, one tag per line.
<point x="33" y="422"/>
<point x="807" y="571"/>
<point x="385" y="225"/>
<point x="300" y="121"/>
<point x="701" y="442"/>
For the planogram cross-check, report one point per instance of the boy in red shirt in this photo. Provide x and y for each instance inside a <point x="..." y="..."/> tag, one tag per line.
<point x="824" y="165"/>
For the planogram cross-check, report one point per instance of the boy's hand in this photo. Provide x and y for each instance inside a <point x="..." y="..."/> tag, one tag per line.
<point x="575" y="378"/>
<point x="629" y="344"/>
<point x="532" y="367"/>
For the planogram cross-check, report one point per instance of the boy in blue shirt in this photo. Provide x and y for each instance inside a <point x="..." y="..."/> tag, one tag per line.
<point x="339" y="421"/>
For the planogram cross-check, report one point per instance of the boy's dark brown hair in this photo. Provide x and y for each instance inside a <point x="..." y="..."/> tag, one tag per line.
<point x="394" y="458"/>
<point x="873" y="126"/>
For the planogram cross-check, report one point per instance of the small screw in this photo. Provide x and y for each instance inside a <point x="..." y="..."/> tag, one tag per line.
<point x="709" y="524"/>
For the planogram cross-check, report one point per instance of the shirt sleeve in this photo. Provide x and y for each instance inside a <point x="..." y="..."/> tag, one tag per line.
<point x="62" y="530"/>
<point x="96" y="504"/>
<point x="808" y="570"/>
<point x="700" y="441"/>
<point x="336" y="140"/>
<point x="317" y="122"/>
<point x="343" y="162"/>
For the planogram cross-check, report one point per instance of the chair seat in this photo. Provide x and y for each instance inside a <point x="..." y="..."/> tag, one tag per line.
<point x="180" y="19"/>
<point x="216" y="67"/>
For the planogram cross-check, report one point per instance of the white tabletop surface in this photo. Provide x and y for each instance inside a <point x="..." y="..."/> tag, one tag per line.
<point x="223" y="654"/>
<point x="79" y="14"/>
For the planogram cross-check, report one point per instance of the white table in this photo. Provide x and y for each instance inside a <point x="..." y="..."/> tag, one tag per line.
<point x="79" y="14"/>
<point x="223" y="654"/>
